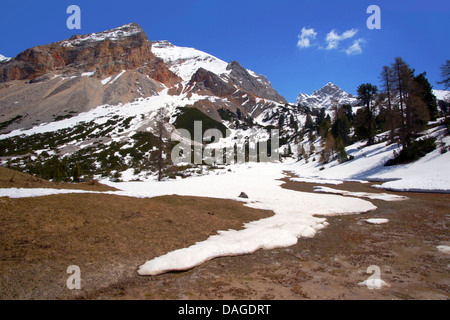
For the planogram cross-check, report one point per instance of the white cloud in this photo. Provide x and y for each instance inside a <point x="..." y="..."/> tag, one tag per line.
<point x="334" y="38"/>
<point x="304" y="39"/>
<point x="355" y="48"/>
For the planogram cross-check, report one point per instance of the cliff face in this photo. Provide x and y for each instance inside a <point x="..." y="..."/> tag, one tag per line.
<point x="257" y="85"/>
<point x="104" y="53"/>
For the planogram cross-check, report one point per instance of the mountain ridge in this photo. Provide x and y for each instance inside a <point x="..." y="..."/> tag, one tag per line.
<point x="75" y="75"/>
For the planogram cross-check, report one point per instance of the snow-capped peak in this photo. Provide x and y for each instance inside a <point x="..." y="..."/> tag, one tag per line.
<point x="326" y="97"/>
<point x="443" y="95"/>
<point x="3" y="58"/>
<point x="184" y="61"/>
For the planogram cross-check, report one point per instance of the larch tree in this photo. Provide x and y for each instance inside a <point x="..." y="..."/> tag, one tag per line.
<point x="387" y="84"/>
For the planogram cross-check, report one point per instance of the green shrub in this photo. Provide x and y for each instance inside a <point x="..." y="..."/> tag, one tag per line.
<point x="187" y="117"/>
<point x="415" y="150"/>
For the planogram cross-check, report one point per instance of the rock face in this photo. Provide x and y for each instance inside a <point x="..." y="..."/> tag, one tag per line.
<point x="208" y="83"/>
<point x="104" y="53"/>
<point x="70" y="76"/>
<point x="249" y="81"/>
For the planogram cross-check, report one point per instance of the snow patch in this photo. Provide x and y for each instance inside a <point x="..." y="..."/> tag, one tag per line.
<point x="373" y="196"/>
<point x="88" y="74"/>
<point x="442" y="248"/>
<point x="376" y="221"/>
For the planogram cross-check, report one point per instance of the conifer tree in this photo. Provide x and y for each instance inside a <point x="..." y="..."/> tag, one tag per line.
<point x="425" y="92"/>
<point x="387" y="83"/>
<point x="366" y="94"/>
<point x="445" y="74"/>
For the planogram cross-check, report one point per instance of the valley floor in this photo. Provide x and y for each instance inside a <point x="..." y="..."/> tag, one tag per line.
<point x="109" y="236"/>
<point x="330" y="265"/>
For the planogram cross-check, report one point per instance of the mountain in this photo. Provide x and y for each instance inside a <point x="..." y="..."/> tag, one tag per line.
<point x="326" y="97"/>
<point x="91" y="103"/>
<point x="233" y="86"/>
<point x="70" y="76"/>
<point x="119" y="66"/>
<point x="3" y="58"/>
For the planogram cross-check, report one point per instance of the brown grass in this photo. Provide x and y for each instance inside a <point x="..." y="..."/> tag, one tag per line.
<point x="107" y="236"/>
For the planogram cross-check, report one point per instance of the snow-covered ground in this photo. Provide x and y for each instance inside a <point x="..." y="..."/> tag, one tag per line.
<point x="428" y="174"/>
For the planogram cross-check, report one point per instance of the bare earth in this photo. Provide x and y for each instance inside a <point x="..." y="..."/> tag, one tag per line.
<point x="108" y="237"/>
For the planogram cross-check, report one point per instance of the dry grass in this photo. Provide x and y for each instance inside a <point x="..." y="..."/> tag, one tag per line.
<point x="107" y="236"/>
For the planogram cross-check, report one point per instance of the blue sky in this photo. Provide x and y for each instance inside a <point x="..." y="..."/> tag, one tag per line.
<point x="262" y="35"/>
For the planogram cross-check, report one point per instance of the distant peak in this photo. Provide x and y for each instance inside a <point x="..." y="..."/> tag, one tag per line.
<point x="330" y="85"/>
<point x="324" y="97"/>
<point x="3" y="58"/>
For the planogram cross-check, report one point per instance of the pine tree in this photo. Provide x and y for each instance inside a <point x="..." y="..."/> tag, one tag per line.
<point x="411" y="92"/>
<point x="340" y="150"/>
<point x="399" y="75"/>
<point x="425" y="91"/>
<point x="445" y="74"/>
<point x="366" y="94"/>
<point x="341" y="125"/>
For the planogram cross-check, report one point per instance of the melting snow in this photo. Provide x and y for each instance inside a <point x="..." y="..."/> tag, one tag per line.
<point x="377" y="221"/>
<point x="374" y="196"/>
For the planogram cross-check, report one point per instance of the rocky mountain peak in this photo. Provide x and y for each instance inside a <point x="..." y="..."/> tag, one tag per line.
<point x="103" y="53"/>
<point x="252" y="82"/>
<point x="328" y="89"/>
<point x="117" y="34"/>
<point x="325" y="97"/>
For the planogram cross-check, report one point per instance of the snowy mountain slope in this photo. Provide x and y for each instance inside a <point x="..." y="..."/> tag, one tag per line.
<point x="326" y="97"/>
<point x="428" y="174"/>
<point x="186" y="61"/>
<point x="204" y="74"/>
<point x="443" y="95"/>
